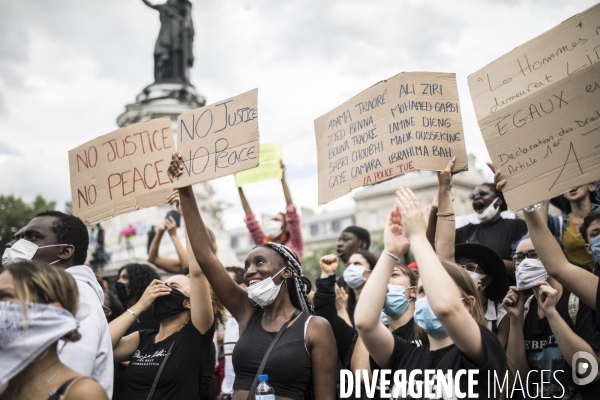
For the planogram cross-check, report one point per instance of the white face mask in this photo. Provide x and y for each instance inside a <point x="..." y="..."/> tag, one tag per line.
<point x="23" y="250"/>
<point x="264" y="292"/>
<point x="489" y="213"/>
<point x="530" y="272"/>
<point x="273" y="229"/>
<point x="476" y="277"/>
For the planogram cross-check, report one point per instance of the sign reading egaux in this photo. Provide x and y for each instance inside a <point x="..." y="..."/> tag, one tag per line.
<point x="126" y="170"/>
<point x="408" y="122"/>
<point x="538" y="108"/>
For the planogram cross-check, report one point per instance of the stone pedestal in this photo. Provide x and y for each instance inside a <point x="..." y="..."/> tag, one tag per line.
<point x="155" y="101"/>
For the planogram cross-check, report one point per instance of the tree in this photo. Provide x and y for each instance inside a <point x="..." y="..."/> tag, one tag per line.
<point x="15" y="214"/>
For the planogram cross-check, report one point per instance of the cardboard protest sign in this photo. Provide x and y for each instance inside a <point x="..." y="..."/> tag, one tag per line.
<point x="538" y="108"/>
<point x="219" y="139"/>
<point x="269" y="166"/>
<point x="410" y="121"/>
<point x="122" y="171"/>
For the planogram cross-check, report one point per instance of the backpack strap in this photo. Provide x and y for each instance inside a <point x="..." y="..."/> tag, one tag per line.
<point x="162" y="365"/>
<point x="573" y="307"/>
<point x="526" y="306"/>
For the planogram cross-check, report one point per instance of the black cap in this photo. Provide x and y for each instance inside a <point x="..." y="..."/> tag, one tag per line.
<point x="361" y="234"/>
<point x="492" y="264"/>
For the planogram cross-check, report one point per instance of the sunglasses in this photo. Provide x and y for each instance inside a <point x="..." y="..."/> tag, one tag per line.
<point x="481" y="193"/>
<point x="470" y="266"/>
<point x="519" y="257"/>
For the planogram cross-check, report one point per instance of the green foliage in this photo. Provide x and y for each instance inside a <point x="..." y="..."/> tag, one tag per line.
<point x="310" y="263"/>
<point x="15" y="213"/>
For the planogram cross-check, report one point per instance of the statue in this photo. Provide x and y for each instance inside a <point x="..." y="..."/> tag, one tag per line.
<point x="173" y="53"/>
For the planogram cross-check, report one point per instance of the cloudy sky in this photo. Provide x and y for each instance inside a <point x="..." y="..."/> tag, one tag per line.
<point x="67" y="69"/>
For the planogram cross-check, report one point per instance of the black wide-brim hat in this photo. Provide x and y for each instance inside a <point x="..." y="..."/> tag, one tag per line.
<point x="492" y="264"/>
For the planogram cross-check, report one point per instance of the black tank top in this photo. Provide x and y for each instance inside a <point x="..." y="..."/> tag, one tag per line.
<point x="289" y="366"/>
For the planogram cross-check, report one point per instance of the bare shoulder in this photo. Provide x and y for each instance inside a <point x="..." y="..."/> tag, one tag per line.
<point x="86" y="389"/>
<point x="317" y="326"/>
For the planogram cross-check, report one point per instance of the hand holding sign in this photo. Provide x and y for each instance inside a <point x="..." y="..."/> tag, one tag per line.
<point x="219" y="139"/>
<point x="537" y="108"/>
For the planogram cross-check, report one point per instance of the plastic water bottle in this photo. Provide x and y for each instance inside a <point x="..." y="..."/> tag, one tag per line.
<point x="264" y="391"/>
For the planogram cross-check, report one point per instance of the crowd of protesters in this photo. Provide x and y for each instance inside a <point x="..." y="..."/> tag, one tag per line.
<point x="514" y="298"/>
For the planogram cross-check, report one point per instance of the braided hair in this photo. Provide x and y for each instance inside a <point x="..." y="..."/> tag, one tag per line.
<point x="298" y="285"/>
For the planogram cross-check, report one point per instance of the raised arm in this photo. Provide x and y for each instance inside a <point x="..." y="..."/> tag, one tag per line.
<point x="286" y="189"/>
<point x="446" y="229"/>
<point x="245" y="204"/>
<point x="146" y="2"/>
<point x="513" y="303"/>
<point x="577" y="280"/>
<point x="181" y="252"/>
<point x="378" y="340"/>
<point x="442" y="292"/>
<point x="568" y="341"/>
<point x="124" y="347"/>
<point x="201" y="302"/>
<point x="172" y="265"/>
<point x="233" y="297"/>
<point x="432" y="221"/>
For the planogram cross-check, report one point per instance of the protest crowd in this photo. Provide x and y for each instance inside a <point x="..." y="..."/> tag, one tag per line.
<point x="148" y="338"/>
<point x="496" y="309"/>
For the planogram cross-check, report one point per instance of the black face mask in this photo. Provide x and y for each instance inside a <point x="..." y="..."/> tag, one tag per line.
<point x="168" y="306"/>
<point x="122" y="291"/>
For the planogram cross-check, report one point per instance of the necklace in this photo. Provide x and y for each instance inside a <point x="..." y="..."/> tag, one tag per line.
<point x="16" y="391"/>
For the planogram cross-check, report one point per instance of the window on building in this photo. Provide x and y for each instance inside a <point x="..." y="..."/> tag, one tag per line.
<point x="335" y="226"/>
<point x="373" y="220"/>
<point x="234" y="242"/>
<point x="314" y="229"/>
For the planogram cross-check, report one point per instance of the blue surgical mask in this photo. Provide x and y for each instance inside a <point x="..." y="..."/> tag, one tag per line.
<point x="396" y="302"/>
<point x="595" y="247"/>
<point x="426" y="319"/>
<point x="353" y="275"/>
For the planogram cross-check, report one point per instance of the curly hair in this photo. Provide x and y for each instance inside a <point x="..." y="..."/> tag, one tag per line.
<point x="238" y="272"/>
<point x="140" y="276"/>
<point x="37" y="282"/>
<point x="70" y="230"/>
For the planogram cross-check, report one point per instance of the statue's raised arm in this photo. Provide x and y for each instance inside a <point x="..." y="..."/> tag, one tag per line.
<point x="146" y="2"/>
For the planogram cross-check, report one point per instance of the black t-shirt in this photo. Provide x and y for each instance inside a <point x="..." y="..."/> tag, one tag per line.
<point x="146" y="321"/>
<point x="543" y="352"/>
<point x="181" y="378"/>
<point x="499" y="235"/>
<point x="410" y="356"/>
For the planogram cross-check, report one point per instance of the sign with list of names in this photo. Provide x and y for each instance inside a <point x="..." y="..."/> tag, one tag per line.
<point x="408" y="122"/>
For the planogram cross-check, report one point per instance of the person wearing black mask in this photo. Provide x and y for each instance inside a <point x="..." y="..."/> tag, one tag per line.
<point x="133" y="280"/>
<point x="181" y="345"/>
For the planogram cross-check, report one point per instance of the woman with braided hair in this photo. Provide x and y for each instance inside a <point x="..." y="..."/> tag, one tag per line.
<point x="303" y="362"/>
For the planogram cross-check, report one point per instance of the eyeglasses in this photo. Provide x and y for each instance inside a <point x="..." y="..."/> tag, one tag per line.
<point x="470" y="266"/>
<point x="481" y="193"/>
<point x="519" y="257"/>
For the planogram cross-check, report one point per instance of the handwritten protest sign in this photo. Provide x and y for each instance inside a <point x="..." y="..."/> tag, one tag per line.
<point x="410" y="121"/>
<point x="122" y="171"/>
<point x="219" y="139"/>
<point x="538" y="108"/>
<point x="269" y="166"/>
